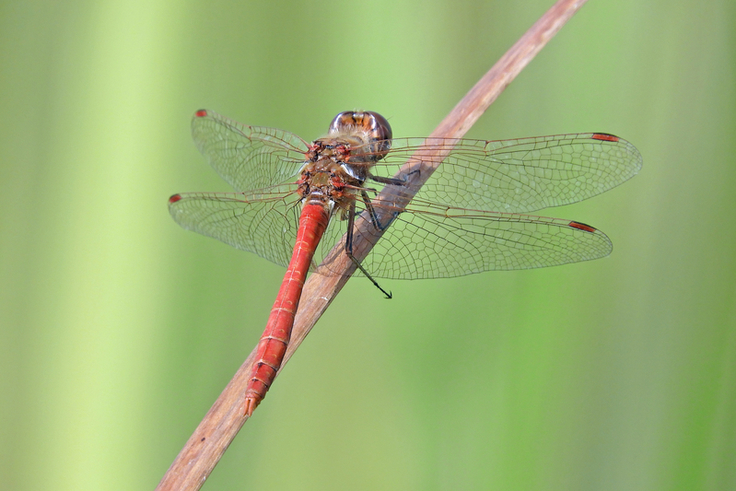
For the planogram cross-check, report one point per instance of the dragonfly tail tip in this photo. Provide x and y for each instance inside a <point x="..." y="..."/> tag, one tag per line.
<point x="250" y="405"/>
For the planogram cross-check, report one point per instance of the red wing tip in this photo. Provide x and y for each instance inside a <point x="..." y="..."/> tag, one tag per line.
<point x="174" y="198"/>
<point x="201" y="113"/>
<point x="606" y="137"/>
<point x="582" y="226"/>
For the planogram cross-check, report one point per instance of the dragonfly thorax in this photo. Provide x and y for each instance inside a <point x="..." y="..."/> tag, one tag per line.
<point x="328" y="181"/>
<point x="338" y="165"/>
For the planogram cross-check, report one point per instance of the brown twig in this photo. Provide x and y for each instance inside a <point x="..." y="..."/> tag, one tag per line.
<point x="225" y="418"/>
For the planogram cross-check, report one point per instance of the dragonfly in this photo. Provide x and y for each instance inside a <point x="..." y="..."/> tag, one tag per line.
<point x="294" y="200"/>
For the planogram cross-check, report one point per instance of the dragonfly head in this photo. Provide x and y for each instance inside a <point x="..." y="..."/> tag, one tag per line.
<point x="369" y="127"/>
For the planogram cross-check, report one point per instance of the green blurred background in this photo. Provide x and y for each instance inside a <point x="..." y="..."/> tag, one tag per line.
<point x="119" y="329"/>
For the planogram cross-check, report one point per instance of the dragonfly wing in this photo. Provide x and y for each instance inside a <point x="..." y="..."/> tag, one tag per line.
<point x="518" y="176"/>
<point x="429" y="241"/>
<point x="262" y="222"/>
<point x="247" y="157"/>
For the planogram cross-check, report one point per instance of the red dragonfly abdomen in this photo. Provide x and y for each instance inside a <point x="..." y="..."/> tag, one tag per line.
<point x="275" y="338"/>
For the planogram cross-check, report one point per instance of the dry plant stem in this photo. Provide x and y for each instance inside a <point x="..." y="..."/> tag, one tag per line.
<point x="222" y="422"/>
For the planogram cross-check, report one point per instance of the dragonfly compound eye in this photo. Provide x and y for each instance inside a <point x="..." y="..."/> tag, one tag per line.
<point x="374" y="127"/>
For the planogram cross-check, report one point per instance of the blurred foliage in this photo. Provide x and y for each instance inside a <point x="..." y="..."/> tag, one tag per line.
<point x="119" y="329"/>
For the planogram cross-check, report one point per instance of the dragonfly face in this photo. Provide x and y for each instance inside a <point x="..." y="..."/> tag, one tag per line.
<point x="372" y="127"/>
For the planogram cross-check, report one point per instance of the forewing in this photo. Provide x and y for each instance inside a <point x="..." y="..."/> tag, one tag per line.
<point x="247" y="157"/>
<point x="517" y="176"/>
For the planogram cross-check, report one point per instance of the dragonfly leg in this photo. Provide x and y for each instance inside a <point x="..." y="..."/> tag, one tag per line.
<point x="373" y="215"/>
<point x="403" y="181"/>
<point x="349" y="251"/>
<point x="393" y="181"/>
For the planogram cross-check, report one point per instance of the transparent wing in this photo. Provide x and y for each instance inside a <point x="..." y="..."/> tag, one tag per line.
<point x="462" y="221"/>
<point x="432" y="241"/>
<point x="263" y="222"/>
<point x="518" y="176"/>
<point x="424" y="241"/>
<point x="247" y="157"/>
